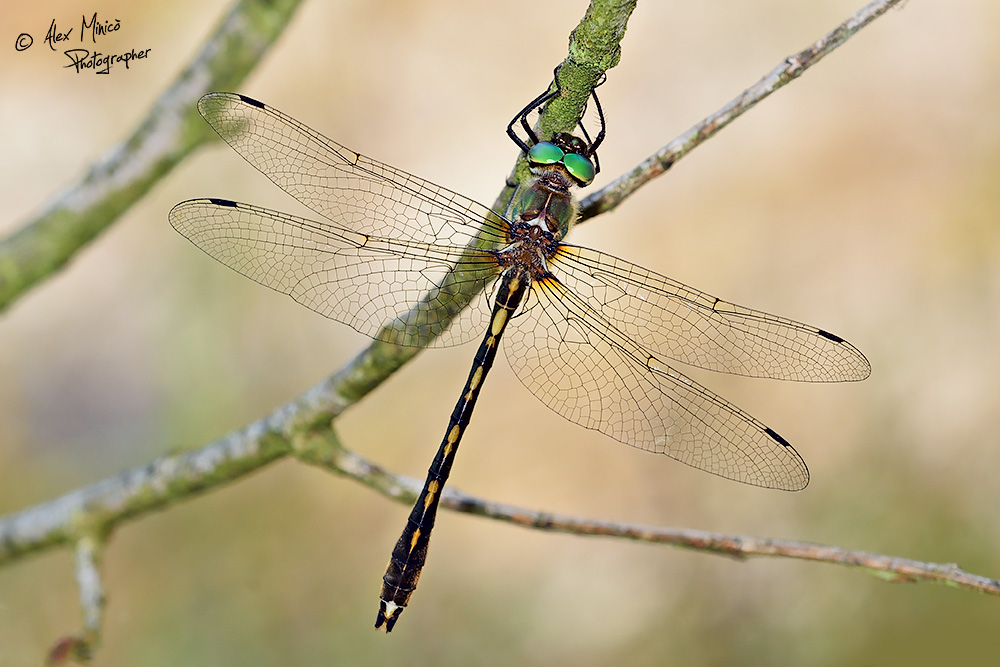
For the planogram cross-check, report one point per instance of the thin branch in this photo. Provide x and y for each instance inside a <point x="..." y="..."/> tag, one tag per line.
<point x="100" y="507"/>
<point x="81" y="648"/>
<point x="141" y="490"/>
<point x="331" y="455"/>
<point x="790" y="69"/>
<point x="891" y="568"/>
<point x="88" y="577"/>
<point x="169" y="132"/>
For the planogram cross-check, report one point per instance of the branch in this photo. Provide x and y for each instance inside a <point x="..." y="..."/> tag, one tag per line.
<point x="88" y="577"/>
<point x="790" y="69"/>
<point x="332" y="456"/>
<point x="288" y="431"/>
<point x="891" y="568"/>
<point x="171" y="130"/>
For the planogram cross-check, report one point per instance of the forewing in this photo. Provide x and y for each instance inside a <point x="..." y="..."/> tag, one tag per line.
<point x="689" y="326"/>
<point x="352" y="191"/>
<point x="591" y="372"/>
<point x="365" y="281"/>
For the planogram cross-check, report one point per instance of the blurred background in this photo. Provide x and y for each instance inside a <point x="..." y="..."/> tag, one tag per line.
<point x="862" y="199"/>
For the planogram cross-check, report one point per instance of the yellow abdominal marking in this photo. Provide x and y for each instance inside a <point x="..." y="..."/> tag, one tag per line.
<point x="476" y="378"/>
<point x="432" y="490"/>
<point x="453" y="434"/>
<point x="499" y="320"/>
<point x="413" y="540"/>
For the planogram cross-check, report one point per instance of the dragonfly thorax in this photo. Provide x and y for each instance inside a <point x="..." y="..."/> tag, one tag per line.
<point x="529" y="249"/>
<point x="546" y="202"/>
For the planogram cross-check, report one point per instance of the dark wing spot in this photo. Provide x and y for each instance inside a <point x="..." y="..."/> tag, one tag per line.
<point x="224" y="202"/>
<point x="252" y="102"/>
<point x="830" y="336"/>
<point x="777" y="438"/>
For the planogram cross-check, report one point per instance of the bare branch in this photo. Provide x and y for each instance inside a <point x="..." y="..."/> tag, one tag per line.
<point x="88" y="577"/>
<point x="330" y="455"/>
<point x="287" y="431"/>
<point x="81" y="648"/>
<point x="891" y="568"/>
<point x="790" y="69"/>
<point x="100" y="507"/>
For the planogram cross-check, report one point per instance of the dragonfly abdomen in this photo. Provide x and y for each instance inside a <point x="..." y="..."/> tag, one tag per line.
<point x="410" y="553"/>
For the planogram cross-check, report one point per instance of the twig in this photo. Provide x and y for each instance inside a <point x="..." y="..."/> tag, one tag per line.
<point x="81" y="648"/>
<point x="738" y="546"/>
<point x="790" y="69"/>
<point x="140" y="490"/>
<point x="119" y="178"/>
<point x="332" y="456"/>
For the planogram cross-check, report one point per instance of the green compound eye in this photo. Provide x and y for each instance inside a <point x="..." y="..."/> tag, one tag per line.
<point x="545" y="152"/>
<point x="579" y="167"/>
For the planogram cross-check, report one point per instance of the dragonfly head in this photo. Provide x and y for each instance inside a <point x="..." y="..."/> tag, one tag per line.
<point x="565" y="153"/>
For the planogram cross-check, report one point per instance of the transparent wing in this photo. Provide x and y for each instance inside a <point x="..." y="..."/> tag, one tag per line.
<point x="362" y="280"/>
<point x="349" y="189"/>
<point x="592" y="373"/>
<point x="689" y="326"/>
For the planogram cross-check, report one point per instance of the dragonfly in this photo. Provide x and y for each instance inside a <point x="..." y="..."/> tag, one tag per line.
<point x="594" y="337"/>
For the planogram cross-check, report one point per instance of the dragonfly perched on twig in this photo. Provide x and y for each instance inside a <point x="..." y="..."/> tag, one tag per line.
<point x="591" y="335"/>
